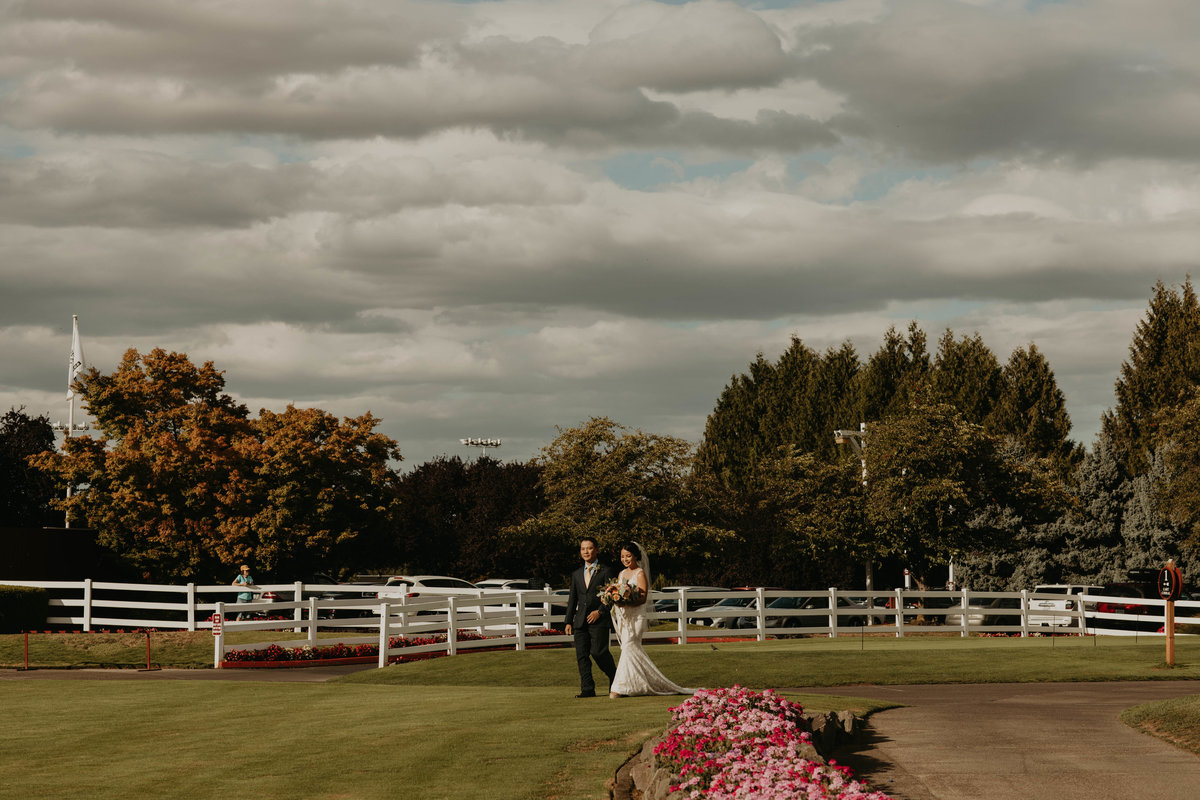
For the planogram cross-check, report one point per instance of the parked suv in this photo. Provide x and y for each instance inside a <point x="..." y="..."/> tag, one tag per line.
<point x="1059" y="611"/>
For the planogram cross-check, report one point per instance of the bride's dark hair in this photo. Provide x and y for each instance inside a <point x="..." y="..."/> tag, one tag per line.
<point x="633" y="549"/>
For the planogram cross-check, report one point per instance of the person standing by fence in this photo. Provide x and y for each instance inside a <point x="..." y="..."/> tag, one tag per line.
<point x="244" y="579"/>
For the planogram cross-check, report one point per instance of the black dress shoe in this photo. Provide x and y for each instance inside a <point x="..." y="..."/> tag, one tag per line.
<point x="586" y="694"/>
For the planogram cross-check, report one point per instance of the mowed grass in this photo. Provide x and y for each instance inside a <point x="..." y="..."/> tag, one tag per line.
<point x="835" y="662"/>
<point x="189" y="649"/>
<point x="1176" y="721"/>
<point x="495" y="725"/>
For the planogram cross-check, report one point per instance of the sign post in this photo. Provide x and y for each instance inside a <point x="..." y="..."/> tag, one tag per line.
<point x="1170" y="583"/>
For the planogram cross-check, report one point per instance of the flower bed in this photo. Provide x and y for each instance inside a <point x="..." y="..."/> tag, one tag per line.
<point x="324" y="655"/>
<point x="735" y="743"/>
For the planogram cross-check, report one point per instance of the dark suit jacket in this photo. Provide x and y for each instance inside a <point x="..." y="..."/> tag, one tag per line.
<point x="583" y="600"/>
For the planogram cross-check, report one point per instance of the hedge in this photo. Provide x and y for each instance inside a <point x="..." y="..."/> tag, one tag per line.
<point x="22" y="608"/>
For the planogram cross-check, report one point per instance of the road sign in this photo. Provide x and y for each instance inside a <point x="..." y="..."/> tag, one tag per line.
<point x="1170" y="582"/>
<point x="216" y="621"/>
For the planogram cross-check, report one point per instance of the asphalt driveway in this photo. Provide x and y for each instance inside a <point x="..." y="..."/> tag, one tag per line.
<point x="1029" y="741"/>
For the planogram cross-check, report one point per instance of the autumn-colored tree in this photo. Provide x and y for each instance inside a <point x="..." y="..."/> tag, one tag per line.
<point x="603" y="480"/>
<point x="181" y="483"/>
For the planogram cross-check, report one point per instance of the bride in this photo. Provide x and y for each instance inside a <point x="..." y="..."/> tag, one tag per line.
<point x="636" y="673"/>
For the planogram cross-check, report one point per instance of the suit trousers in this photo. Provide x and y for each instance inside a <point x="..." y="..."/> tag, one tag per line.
<point x="591" y="644"/>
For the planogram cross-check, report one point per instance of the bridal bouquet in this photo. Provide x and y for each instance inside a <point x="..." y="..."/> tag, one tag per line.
<point x="620" y="593"/>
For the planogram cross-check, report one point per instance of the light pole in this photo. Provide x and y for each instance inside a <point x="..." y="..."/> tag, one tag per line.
<point x="481" y="443"/>
<point x="858" y="440"/>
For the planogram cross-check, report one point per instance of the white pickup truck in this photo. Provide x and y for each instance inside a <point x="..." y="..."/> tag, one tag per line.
<point x="1061" y="610"/>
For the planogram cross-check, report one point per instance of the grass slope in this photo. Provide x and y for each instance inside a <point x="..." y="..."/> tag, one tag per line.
<point x="1176" y="721"/>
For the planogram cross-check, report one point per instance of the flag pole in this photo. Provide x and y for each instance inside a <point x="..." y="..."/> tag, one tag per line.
<point x="74" y="367"/>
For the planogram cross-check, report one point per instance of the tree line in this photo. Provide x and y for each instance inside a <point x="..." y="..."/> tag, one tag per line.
<point x="964" y="457"/>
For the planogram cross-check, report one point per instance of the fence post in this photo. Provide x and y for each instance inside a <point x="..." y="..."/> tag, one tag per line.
<point x="87" y="604"/>
<point x="682" y="609"/>
<point x="761" y="616"/>
<point x="297" y="612"/>
<point x="833" y="612"/>
<point x="899" y="613"/>
<point x="312" y="621"/>
<point x="520" y="620"/>
<point x="1083" y="616"/>
<point x="384" y="639"/>
<point x="1024" y="613"/>
<point x="452" y="626"/>
<point x="964" y="603"/>
<point x="219" y="639"/>
<point x="191" y="606"/>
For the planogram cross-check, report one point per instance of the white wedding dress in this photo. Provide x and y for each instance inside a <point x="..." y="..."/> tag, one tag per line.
<point x="636" y="673"/>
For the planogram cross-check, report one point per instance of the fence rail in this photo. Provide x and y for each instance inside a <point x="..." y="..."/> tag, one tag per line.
<point x="506" y="618"/>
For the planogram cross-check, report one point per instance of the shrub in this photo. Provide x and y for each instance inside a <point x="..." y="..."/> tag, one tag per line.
<point x="22" y="608"/>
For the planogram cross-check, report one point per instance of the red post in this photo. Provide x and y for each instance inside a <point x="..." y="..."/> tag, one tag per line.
<point x="26" y="649"/>
<point x="147" y="649"/>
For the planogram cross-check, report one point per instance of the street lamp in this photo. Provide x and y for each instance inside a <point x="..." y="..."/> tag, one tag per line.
<point x="481" y="443"/>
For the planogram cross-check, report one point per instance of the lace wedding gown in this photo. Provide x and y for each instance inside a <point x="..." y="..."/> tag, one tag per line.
<point x="636" y="673"/>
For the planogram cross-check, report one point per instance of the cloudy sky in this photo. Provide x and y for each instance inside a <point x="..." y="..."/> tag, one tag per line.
<point x="494" y="218"/>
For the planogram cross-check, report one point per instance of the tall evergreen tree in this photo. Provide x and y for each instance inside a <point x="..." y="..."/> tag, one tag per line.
<point x="1178" y="497"/>
<point x="1162" y="370"/>
<point x="966" y="375"/>
<point x="1033" y="409"/>
<point x="895" y="375"/>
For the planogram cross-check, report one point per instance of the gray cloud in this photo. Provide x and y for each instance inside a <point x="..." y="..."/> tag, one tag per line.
<point x="443" y="212"/>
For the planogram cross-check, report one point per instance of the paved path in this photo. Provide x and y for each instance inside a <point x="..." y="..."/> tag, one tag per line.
<point x="1029" y="741"/>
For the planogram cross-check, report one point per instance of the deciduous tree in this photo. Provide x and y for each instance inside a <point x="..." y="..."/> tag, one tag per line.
<point x="182" y="482"/>
<point x="25" y="492"/>
<point x="606" y="481"/>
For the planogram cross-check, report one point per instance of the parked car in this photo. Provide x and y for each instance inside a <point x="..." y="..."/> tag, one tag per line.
<point x="1133" y="591"/>
<point x="729" y="604"/>
<point x="411" y="585"/>
<point x="1061" y="609"/>
<point x="507" y="584"/>
<point x="981" y="613"/>
<point x="796" y="602"/>
<point x="670" y="604"/>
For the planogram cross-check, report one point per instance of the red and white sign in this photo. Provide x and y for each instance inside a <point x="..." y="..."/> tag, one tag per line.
<point x="216" y="620"/>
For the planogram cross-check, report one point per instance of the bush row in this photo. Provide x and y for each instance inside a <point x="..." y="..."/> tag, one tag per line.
<point x="22" y="608"/>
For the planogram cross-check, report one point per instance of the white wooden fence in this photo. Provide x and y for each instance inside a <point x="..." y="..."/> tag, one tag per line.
<point x="507" y="618"/>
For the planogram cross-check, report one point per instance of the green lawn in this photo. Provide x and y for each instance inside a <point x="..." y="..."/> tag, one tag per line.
<point x="167" y="648"/>
<point x="1176" y="721"/>
<point x="495" y="725"/>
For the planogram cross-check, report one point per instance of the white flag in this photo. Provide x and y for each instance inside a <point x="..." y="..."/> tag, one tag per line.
<point x="76" y="365"/>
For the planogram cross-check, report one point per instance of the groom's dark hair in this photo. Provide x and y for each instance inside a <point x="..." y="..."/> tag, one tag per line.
<point x="583" y="539"/>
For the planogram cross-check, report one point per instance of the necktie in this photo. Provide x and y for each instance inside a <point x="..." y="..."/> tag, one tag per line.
<point x="587" y="580"/>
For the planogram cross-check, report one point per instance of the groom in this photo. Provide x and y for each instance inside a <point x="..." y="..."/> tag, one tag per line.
<point x="588" y="619"/>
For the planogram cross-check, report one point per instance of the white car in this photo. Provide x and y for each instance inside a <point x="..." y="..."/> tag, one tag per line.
<point x="411" y="586"/>
<point x="507" y="584"/>
<point x="1061" y="610"/>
